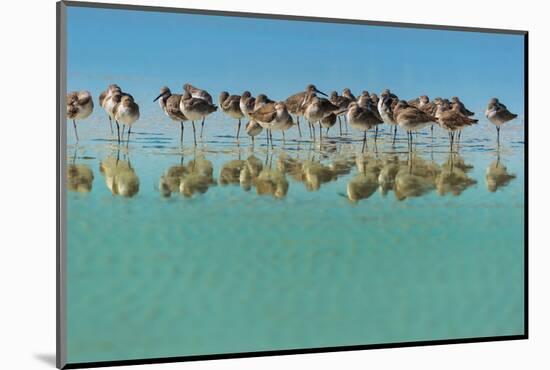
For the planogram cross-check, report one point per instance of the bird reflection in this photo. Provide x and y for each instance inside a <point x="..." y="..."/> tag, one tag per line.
<point x="271" y="182"/>
<point x="79" y="178"/>
<point x="388" y="171"/>
<point x="453" y="178"/>
<point x="120" y="177"/>
<point x="196" y="177"/>
<point x="497" y="176"/>
<point x="416" y="178"/>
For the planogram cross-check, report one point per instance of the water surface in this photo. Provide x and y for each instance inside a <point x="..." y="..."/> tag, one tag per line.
<point x="224" y="247"/>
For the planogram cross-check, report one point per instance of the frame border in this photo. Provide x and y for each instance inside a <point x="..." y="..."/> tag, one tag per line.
<point x="61" y="221"/>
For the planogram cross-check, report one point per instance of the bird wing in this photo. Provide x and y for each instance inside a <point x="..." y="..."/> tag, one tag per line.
<point x="173" y="107"/>
<point x="265" y="113"/>
<point x="102" y="97"/>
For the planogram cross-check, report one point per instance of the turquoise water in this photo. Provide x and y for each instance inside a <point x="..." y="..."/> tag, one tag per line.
<point x="295" y="247"/>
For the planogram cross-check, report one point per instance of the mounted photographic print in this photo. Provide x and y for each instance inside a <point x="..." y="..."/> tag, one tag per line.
<point x="235" y="184"/>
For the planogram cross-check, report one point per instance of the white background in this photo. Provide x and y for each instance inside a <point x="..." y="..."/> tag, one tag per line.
<point x="27" y="172"/>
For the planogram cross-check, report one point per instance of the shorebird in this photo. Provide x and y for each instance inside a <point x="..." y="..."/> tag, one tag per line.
<point x="455" y="101"/>
<point x="347" y="94"/>
<point x="197" y="93"/>
<point x="329" y="121"/>
<point x="126" y="112"/>
<point x="111" y="89"/>
<point x="386" y="104"/>
<point x="79" y="106"/>
<point x="286" y="125"/>
<point x="195" y="109"/>
<point x="315" y="109"/>
<point x="342" y="102"/>
<point x="427" y="106"/>
<point x="253" y="129"/>
<point x="294" y="103"/>
<point x="247" y="103"/>
<point x="361" y="119"/>
<point x="272" y="116"/>
<point x="363" y="99"/>
<point x="170" y="104"/>
<point x="230" y="105"/>
<point x="411" y="119"/>
<point x="452" y="120"/>
<point x="498" y="114"/>
<point x="260" y="101"/>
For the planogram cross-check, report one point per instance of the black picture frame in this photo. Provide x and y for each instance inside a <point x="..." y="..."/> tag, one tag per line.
<point x="61" y="35"/>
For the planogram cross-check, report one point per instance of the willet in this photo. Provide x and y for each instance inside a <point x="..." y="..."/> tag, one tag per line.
<point x="271" y="116"/>
<point x="247" y="103"/>
<point x="170" y="104"/>
<point x="230" y="105"/>
<point x="498" y="114"/>
<point x="126" y="112"/>
<point x="294" y="103"/>
<point x="197" y="93"/>
<point x="195" y="109"/>
<point x="329" y="121"/>
<point x="315" y="109"/>
<point x="427" y="106"/>
<point x="452" y="120"/>
<point x="111" y="89"/>
<point x="386" y="104"/>
<point x="361" y="119"/>
<point x="79" y="106"/>
<point x="260" y="101"/>
<point x="253" y="129"/>
<point x="411" y="119"/>
<point x="343" y="103"/>
<point x="455" y="101"/>
<point x="347" y="94"/>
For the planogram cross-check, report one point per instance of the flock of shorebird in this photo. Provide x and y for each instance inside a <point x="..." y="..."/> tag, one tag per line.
<point x="363" y="113"/>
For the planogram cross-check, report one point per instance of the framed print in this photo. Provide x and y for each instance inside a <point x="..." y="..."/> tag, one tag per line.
<point x="235" y="184"/>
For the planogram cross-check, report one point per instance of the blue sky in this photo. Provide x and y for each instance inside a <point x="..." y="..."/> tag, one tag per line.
<point x="144" y="50"/>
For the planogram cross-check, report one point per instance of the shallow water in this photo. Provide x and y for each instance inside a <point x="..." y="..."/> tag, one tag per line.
<point x="176" y="251"/>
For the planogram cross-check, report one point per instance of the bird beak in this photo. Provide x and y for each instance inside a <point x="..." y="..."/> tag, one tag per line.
<point x="320" y="92"/>
<point x="157" y="98"/>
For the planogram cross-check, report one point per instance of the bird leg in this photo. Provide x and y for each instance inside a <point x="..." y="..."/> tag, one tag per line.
<point x="129" y="130"/>
<point x="181" y="134"/>
<point x="123" y="128"/>
<point x="364" y="142"/>
<point x="238" y="129"/>
<point x="394" y="134"/>
<point x="194" y="133"/>
<point x="298" y="123"/>
<point x="111" y="124"/>
<point x="283" y="137"/>
<point x="75" y="133"/>
<point x="202" y="126"/>
<point x="346" y="123"/>
<point x="498" y="136"/>
<point x="340" y="124"/>
<point x="375" y="133"/>
<point x="117" y="130"/>
<point x="312" y="127"/>
<point x="320" y="132"/>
